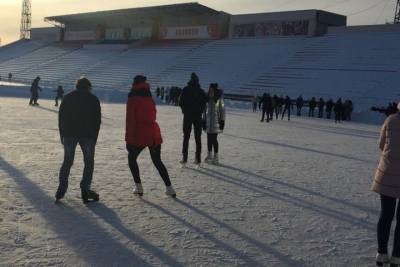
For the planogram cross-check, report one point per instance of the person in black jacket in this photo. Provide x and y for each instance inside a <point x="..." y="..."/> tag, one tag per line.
<point x="79" y="122"/>
<point x="35" y="88"/>
<point x="312" y="105"/>
<point x="329" y="106"/>
<point x="265" y="105"/>
<point x="59" y="94"/>
<point x="287" y="107"/>
<point x="389" y="110"/>
<point x="338" y="109"/>
<point x="299" y="105"/>
<point x="192" y="102"/>
<point x="321" y="105"/>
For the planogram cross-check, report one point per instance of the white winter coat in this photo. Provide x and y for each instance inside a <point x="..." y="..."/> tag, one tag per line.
<point x="213" y="115"/>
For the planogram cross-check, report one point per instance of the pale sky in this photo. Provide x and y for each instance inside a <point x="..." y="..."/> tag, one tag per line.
<point x="359" y="11"/>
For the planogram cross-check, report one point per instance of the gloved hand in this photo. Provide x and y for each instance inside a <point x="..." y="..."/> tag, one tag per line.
<point x="204" y="124"/>
<point x="221" y="125"/>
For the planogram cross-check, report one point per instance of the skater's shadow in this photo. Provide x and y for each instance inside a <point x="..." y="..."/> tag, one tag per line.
<point x="47" y="109"/>
<point x="249" y="261"/>
<point x="71" y="226"/>
<point x="111" y="218"/>
<point x="332" y="130"/>
<point x="301" y="189"/>
<point x="287" y="198"/>
<point x="303" y="149"/>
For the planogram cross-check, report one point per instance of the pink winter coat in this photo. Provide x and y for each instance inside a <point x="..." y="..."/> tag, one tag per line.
<point x="387" y="177"/>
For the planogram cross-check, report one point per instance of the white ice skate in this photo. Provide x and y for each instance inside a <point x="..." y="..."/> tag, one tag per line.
<point x="138" y="190"/>
<point x="170" y="191"/>
<point x="215" y="160"/>
<point x="209" y="158"/>
<point x="382" y="259"/>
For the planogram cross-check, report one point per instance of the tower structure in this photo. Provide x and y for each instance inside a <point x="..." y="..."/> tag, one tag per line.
<point x="397" y="14"/>
<point x="26" y="20"/>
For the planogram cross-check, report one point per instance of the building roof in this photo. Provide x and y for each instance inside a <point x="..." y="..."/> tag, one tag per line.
<point x="189" y="9"/>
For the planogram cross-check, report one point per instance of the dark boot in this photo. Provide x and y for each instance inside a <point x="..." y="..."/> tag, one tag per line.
<point x="89" y="196"/>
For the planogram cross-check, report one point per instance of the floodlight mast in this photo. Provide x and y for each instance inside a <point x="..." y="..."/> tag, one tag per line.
<point x="26" y="20"/>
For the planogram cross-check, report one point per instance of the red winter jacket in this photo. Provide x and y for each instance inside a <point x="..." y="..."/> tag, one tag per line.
<point x="142" y="129"/>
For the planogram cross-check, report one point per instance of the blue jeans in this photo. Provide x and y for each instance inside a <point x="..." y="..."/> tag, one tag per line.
<point x="88" y="148"/>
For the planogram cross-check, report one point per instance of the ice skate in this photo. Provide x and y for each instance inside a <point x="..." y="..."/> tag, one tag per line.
<point x="138" y="190"/>
<point x="89" y="196"/>
<point x="197" y="163"/>
<point x="59" y="194"/>
<point x="215" y="160"/>
<point x="170" y="191"/>
<point x="382" y="259"/>
<point x="209" y="158"/>
<point x="183" y="163"/>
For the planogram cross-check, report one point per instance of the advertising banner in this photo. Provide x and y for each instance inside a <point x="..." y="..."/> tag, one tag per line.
<point x="192" y="32"/>
<point x="80" y="35"/>
<point x="284" y="28"/>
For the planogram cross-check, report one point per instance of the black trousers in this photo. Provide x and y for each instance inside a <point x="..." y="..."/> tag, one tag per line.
<point x="268" y="113"/>
<point x="311" y="112"/>
<point x="188" y="122"/>
<point x="299" y="110"/>
<point x="34" y="98"/>
<point x="212" y="142"/>
<point x="338" y="117"/>
<point x="155" y="153"/>
<point x="388" y="209"/>
<point x="284" y="111"/>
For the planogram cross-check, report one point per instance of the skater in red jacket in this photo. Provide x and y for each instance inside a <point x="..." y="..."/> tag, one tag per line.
<point x="143" y="131"/>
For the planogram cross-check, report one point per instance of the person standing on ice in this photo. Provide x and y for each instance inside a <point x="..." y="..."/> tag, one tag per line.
<point x="35" y="88"/>
<point x="299" y="105"/>
<point x="312" y="105"/>
<point x="287" y="107"/>
<point x="387" y="185"/>
<point x="329" y="107"/>
<point x="79" y="122"/>
<point x="265" y="106"/>
<point x="143" y="131"/>
<point x="338" y="109"/>
<point x="321" y="105"/>
<point x="59" y="94"/>
<point x="192" y="102"/>
<point x="254" y="101"/>
<point x="213" y="121"/>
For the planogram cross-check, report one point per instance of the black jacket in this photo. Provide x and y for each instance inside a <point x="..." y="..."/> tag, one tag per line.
<point x="79" y="115"/>
<point x="193" y="101"/>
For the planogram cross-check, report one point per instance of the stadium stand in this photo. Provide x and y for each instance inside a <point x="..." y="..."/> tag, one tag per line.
<point x="18" y="49"/>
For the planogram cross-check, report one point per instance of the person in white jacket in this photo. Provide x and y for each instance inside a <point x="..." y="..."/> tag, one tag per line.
<point x="213" y="121"/>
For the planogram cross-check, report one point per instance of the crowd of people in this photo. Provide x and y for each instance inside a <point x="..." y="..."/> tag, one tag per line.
<point x="169" y="95"/>
<point x="80" y="120"/>
<point x="275" y="106"/>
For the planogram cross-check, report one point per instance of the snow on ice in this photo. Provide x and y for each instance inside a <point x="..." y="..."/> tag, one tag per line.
<point x="286" y="194"/>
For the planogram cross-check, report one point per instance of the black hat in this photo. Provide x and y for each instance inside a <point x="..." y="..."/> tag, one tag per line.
<point x="83" y="84"/>
<point x="139" y="79"/>
<point x="194" y="78"/>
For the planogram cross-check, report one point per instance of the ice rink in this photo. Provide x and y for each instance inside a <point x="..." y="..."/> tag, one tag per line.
<point x="285" y="194"/>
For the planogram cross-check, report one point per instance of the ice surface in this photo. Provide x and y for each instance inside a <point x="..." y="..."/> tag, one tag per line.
<point x="286" y="194"/>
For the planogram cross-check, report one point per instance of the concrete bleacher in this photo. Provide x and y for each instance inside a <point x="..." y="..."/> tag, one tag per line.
<point x="149" y="59"/>
<point x="27" y="66"/>
<point x="359" y="66"/>
<point x="362" y="66"/>
<point x="18" y="49"/>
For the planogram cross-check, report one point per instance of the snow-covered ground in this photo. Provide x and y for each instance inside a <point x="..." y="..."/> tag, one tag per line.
<point x="286" y="194"/>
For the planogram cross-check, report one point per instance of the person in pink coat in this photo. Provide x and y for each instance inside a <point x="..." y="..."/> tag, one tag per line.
<point x="387" y="184"/>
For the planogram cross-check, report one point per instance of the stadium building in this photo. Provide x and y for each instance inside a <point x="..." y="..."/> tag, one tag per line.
<point x="307" y="52"/>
